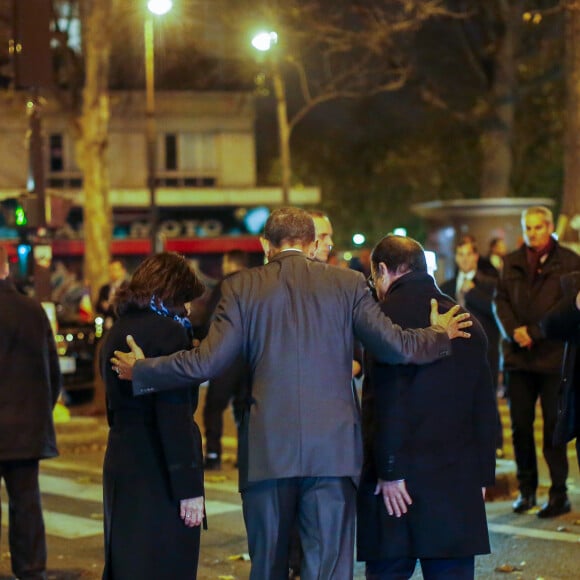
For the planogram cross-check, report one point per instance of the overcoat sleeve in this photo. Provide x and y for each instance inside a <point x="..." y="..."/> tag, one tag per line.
<point x="179" y="435"/>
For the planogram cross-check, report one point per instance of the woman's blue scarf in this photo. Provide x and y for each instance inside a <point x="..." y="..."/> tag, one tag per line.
<point x="159" y="308"/>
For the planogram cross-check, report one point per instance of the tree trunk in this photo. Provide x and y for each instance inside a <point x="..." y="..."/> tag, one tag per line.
<point x="497" y="133"/>
<point x="93" y="145"/>
<point x="571" y="194"/>
<point x="283" y="134"/>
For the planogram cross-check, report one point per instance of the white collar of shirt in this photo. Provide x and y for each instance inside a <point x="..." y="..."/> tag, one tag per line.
<point x="463" y="276"/>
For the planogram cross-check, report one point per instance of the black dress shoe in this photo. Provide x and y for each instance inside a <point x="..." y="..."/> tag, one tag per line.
<point x="212" y="463"/>
<point x="555" y="506"/>
<point x="524" y="503"/>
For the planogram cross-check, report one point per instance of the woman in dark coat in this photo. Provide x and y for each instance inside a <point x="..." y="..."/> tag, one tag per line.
<point x="153" y="469"/>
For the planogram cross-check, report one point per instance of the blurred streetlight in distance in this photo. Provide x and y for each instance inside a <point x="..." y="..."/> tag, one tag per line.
<point x="358" y="239"/>
<point x="157" y="7"/>
<point x="266" y="42"/>
<point x="263" y="41"/>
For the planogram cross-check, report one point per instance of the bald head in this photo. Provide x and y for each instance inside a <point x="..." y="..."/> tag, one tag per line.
<point x="394" y="257"/>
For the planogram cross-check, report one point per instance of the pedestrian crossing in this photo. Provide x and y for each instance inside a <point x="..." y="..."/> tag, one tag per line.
<point x="72" y="503"/>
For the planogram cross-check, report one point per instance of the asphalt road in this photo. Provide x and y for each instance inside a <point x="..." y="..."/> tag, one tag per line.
<point x="524" y="546"/>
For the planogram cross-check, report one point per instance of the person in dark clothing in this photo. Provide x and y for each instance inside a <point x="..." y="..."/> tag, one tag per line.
<point x="30" y="384"/>
<point x="106" y="297"/>
<point x="563" y="322"/>
<point x="428" y="431"/>
<point x="153" y="468"/>
<point x="232" y="384"/>
<point x="475" y="290"/>
<point x="528" y="288"/>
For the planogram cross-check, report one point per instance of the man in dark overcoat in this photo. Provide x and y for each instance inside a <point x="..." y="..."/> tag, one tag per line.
<point x="528" y="288"/>
<point x="295" y="319"/>
<point x="30" y="383"/>
<point x="563" y="322"/>
<point x="429" y="447"/>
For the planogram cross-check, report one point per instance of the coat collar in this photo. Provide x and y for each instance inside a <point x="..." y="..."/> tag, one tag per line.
<point x="420" y="278"/>
<point x="287" y="254"/>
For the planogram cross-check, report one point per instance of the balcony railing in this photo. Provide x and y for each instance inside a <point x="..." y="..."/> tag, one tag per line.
<point x="74" y="179"/>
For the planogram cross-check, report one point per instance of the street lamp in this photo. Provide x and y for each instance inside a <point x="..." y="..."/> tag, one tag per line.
<point x="266" y="42"/>
<point x="157" y="7"/>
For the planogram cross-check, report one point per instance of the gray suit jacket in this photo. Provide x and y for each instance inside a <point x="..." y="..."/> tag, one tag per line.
<point x="294" y="320"/>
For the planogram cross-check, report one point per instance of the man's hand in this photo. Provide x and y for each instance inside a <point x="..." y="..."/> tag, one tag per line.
<point x="451" y="322"/>
<point x="395" y="496"/>
<point x="522" y="337"/>
<point x="123" y="362"/>
<point x="578" y="300"/>
<point x="191" y="511"/>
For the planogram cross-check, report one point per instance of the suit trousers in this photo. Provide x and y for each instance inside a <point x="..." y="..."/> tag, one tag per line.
<point x="325" y="507"/>
<point x="218" y="396"/>
<point x="524" y="389"/>
<point x="26" y="535"/>
<point x="432" y="568"/>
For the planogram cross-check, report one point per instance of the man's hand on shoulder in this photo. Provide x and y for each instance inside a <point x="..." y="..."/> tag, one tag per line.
<point x="123" y="362"/>
<point x="451" y="322"/>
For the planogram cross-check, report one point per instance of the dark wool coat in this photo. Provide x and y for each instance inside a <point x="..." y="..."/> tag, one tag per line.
<point x="30" y="379"/>
<point x="521" y="301"/>
<point x="563" y="322"/>
<point x="434" y="426"/>
<point x="153" y="460"/>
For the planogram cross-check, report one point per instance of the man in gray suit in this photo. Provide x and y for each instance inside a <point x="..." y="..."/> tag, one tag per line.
<point x="295" y="319"/>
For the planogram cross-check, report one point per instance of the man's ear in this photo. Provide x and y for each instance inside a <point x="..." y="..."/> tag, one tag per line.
<point x="382" y="269"/>
<point x="312" y="249"/>
<point x="265" y="246"/>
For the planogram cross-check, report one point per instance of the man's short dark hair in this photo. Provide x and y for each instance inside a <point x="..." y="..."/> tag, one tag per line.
<point x="238" y="257"/>
<point x="289" y="225"/>
<point x="399" y="254"/>
<point x="467" y="240"/>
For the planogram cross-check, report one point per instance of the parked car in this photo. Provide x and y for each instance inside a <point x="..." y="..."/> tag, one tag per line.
<point x="76" y="343"/>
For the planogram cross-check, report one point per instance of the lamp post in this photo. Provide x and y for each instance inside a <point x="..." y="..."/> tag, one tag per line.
<point x="157" y="7"/>
<point x="266" y="42"/>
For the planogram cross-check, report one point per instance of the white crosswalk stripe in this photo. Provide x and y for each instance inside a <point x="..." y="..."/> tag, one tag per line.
<point x="68" y="526"/>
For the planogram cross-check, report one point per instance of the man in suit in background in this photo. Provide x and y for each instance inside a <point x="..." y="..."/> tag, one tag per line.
<point x="30" y="383"/>
<point x="230" y="385"/>
<point x="474" y="290"/>
<point x="105" y="301"/>
<point x="300" y="446"/>
<point x="428" y="432"/>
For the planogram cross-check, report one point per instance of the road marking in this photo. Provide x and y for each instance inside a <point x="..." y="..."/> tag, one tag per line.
<point x="216" y="508"/>
<point x="533" y="533"/>
<point x="67" y="526"/>
<point x="70" y="488"/>
<point x="71" y="527"/>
